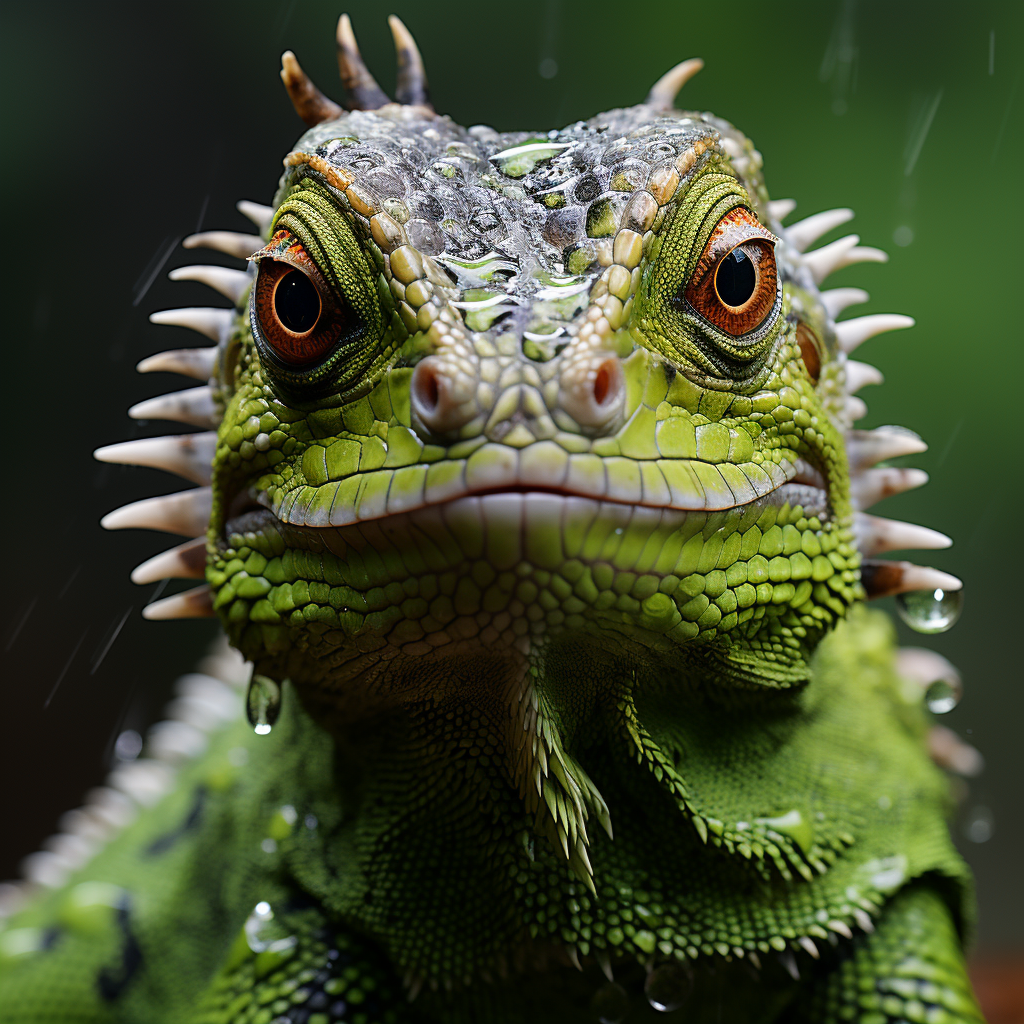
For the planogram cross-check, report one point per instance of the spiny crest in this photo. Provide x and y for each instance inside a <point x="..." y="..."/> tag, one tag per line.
<point x="363" y="91"/>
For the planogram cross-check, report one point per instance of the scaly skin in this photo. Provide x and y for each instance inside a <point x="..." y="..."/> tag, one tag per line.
<point x="546" y="558"/>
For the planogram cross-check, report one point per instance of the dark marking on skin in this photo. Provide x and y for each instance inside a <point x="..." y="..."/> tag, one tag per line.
<point x="112" y="981"/>
<point x="163" y="843"/>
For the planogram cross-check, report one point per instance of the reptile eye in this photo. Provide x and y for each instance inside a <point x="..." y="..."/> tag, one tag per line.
<point x="298" y="317"/>
<point x="734" y="283"/>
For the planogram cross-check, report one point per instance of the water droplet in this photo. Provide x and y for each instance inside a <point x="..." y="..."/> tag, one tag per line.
<point x="942" y="696"/>
<point x="930" y="611"/>
<point x="668" y="987"/>
<point x="978" y="828"/>
<point x="610" y="1004"/>
<point x="903" y="235"/>
<point x="128" y="745"/>
<point x="262" y="703"/>
<point x="264" y="934"/>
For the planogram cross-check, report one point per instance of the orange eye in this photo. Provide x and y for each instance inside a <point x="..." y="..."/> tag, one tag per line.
<point x="297" y="315"/>
<point x="735" y="281"/>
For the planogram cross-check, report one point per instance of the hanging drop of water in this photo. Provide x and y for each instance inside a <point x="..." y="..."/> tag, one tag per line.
<point x="610" y="1004"/>
<point x="930" y="611"/>
<point x="263" y="934"/>
<point x="262" y="703"/>
<point x="979" y="825"/>
<point x="941" y="696"/>
<point x="668" y="987"/>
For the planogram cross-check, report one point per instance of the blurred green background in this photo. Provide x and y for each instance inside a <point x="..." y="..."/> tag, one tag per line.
<point x="128" y="126"/>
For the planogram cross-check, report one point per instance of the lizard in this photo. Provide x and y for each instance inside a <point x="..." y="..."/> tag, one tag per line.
<point x="528" y="488"/>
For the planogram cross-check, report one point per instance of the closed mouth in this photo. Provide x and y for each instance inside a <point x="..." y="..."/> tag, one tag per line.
<point x="671" y="486"/>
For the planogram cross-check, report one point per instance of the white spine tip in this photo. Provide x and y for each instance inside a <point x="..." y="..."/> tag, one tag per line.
<point x="853" y="333"/>
<point x="211" y="321"/>
<point x="807" y="231"/>
<point x="192" y="604"/>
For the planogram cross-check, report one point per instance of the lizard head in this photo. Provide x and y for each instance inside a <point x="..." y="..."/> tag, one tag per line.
<point x="491" y="400"/>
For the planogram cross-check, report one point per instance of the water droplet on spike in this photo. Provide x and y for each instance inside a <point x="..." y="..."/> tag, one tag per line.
<point x="262" y="703"/>
<point x="610" y="1004"/>
<point x="668" y="987"/>
<point x="978" y="828"/>
<point x="930" y="611"/>
<point x="263" y="934"/>
<point x="941" y="696"/>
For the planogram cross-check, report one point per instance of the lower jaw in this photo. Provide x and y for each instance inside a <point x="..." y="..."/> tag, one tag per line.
<point x="508" y="571"/>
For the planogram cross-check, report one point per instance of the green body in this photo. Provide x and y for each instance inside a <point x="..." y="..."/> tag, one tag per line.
<point x="578" y="685"/>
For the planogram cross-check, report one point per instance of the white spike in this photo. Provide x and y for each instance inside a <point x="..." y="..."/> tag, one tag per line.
<point x="145" y="780"/>
<point x="887" y="578"/>
<point x="869" y="447"/>
<point x="259" y="214"/>
<point x="110" y="806"/>
<point x="188" y="455"/>
<point x="232" y="284"/>
<point x="863" y="919"/>
<point x="859" y="375"/>
<point x="807" y="231"/>
<point x="780" y="209"/>
<point x="193" y="406"/>
<point x="835" y="300"/>
<point x="216" y="701"/>
<point x="809" y="946"/>
<point x="854" y="409"/>
<point x="72" y="849"/>
<point x="851" y="333"/>
<point x="192" y="604"/>
<point x="45" y="869"/>
<point x="840" y="928"/>
<point x="925" y="666"/>
<point x="172" y="741"/>
<point x="186" y="513"/>
<point x="876" y="536"/>
<point x="838" y="254"/>
<point x="950" y="752"/>
<point x="185" y="562"/>
<point x="189" y="362"/>
<point x="870" y="486"/>
<point x="231" y="242"/>
<point x="215" y="323"/>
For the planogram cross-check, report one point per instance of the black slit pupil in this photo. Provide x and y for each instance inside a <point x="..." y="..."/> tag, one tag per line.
<point x="736" y="278"/>
<point x="297" y="302"/>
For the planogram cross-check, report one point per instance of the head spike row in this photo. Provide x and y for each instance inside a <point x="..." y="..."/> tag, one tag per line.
<point x="197" y="363"/>
<point x="870" y="486"/>
<point x="843" y="252"/>
<point x="886" y="579"/>
<point x="875" y="536"/>
<point x="185" y="562"/>
<point x="233" y="243"/>
<point x="309" y="102"/>
<point x="780" y="209"/>
<point x="664" y="91"/>
<point x="192" y="604"/>
<point x="259" y="214"/>
<point x="363" y="91"/>
<point x="194" y="406"/>
<point x="869" y="447"/>
<point x="232" y="284"/>
<point x="186" y="513"/>
<point x="188" y="455"/>
<point x="837" y="299"/>
<point x="852" y="333"/>
<point x="948" y="751"/>
<point x="212" y="321"/>
<point x="411" y="87"/>
<point x="859" y="375"/>
<point x="807" y="231"/>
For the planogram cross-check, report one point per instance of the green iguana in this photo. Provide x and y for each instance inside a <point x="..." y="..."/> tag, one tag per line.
<point x="530" y="491"/>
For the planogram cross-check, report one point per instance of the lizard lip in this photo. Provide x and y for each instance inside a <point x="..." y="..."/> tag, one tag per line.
<point x="690" y="487"/>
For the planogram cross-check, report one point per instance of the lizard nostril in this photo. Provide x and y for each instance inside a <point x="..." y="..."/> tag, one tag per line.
<point x="593" y="391"/>
<point x="609" y="383"/>
<point x="426" y="391"/>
